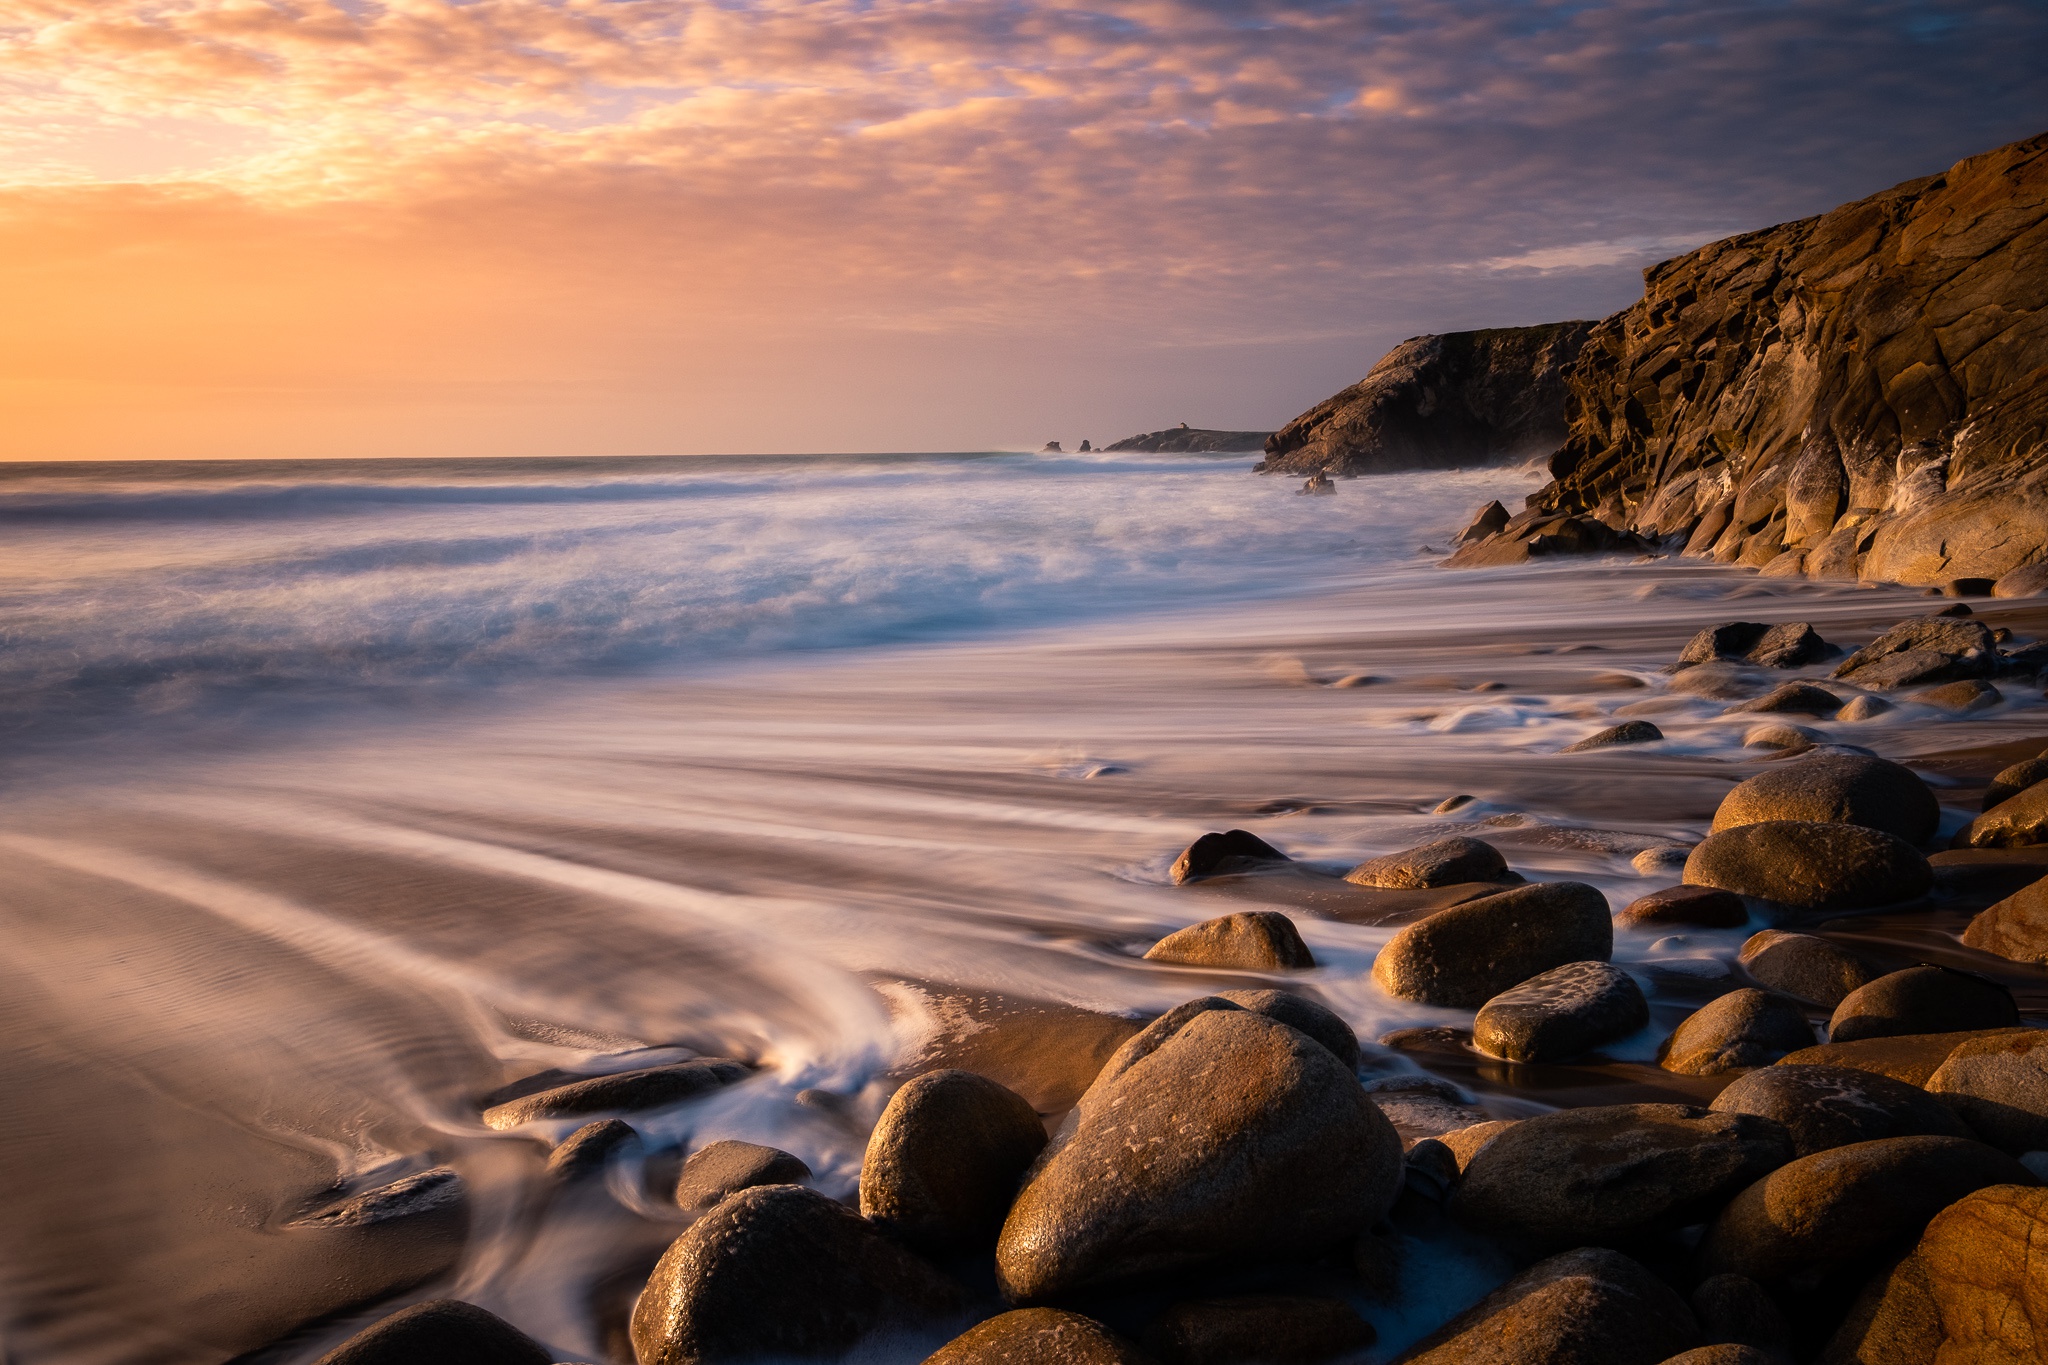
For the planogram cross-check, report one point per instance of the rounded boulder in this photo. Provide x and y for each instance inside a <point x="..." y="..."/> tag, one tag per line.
<point x="2015" y="928"/>
<point x="1275" y="1329"/>
<point x="722" y="1168"/>
<point x="1250" y="940"/>
<point x="1803" y="966"/>
<point x="945" y="1160"/>
<point x="1922" y="1000"/>
<point x="1704" y="907"/>
<point x="1038" y="1336"/>
<point x="2019" y="821"/>
<point x="1742" y="1029"/>
<point x="1833" y="788"/>
<point x="2011" y="781"/>
<point x="1833" y="1106"/>
<point x="1446" y="862"/>
<point x="1299" y="1012"/>
<point x="1464" y="956"/>
<point x="1220" y="855"/>
<point x="2000" y="1087"/>
<point x="446" y="1331"/>
<point x="1561" y="1014"/>
<point x="1809" y="865"/>
<point x="1584" y="1307"/>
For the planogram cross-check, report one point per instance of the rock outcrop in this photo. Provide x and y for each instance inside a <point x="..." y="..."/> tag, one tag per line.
<point x="1187" y="440"/>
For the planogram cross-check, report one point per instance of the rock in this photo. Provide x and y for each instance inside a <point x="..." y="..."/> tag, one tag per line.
<point x="1317" y="483"/>
<point x="1609" y="1173"/>
<point x="1863" y="708"/>
<point x="1790" y="645"/>
<point x="2029" y="580"/>
<point x="1584" y="1307"/>
<point x="1464" y="956"/>
<point x="2000" y="1087"/>
<point x="1250" y="940"/>
<point x="2015" y="928"/>
<point x="1216" y="855"/>
<point x="1745" y="1028"/>
<point x="1275" y="1328"/>
<point x="1922" y="1000"/>
<point x="1717" y="681"/>
<point x="1187" y="440"/>
<point x="1424" y="1112"/>
<point x="2016" y="822"/>
<point x="1836" y="789"/>
<point x="1443" y="863"/>
<point x="1038" y="1336"/>
<point x="2010" y="782"/>
<point x="1789" y="738"/>
<point x="1929" y="649"/>
<point x="724" y="1168"/>
<point x="1810" y="865"/>
<point x="1725" y="1354"/>
<point x="1562" y="1013"/>
<point x="1833" y="1106"/>
<point x="1628" y="732"/>
<point x="1656" y="862"/>
<point x="590" y="1148"/>
<point x="779" y="1270"/>
<point x="1464" y="1143"/>
<point x="1847" y="1206"/>
<point x="1971" y="694"/>
<point x="1735" y="1310"/>
<point x="945" y="1160"/>
<point x="1487" y="522"/>
<point x="653" y="1087"/>
<point x="1235" y="1138"/>
<point x="445" y="1331"/>
<point x="1703" y="906"/>
<point x="1911" y="1058"/>
<point x="1793" y="698"/>
<point x="1803" y="966"/>
<point x="1305" y="1016"/>
<point x="1530" y="535"/>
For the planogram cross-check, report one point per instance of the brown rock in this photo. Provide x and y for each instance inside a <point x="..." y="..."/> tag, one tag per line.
<point x="1803" y="966"/>
<point x="1705" y="906"/>
<point x="1718" y="681"/>
<point x="1970" y="694"/>
<point x="1745" y="1028"/>
<point x="1999" y="1084"/>
<point x="1911" y="1059"/>
<point x="1038" y="1336"/>
<point x="2029" y="580"/>
<point x="445" y="1331"/>
<point x="1560" y="1014"/>
<point x="2010" y="782"/>
<point x="590" y="1148"/>
<point x="1735" y="1310"/>
<point x="1836" y="789"/>
<point x="1250" y="940"/>
<point x="1793" y="698"/>
<point x="653" y="1087"/>
<point x="945" y="1160"/>
<point x="1464" y="1143"/>
<point x="1464" y="956"/>
<point x="1928" y="649"/>
<point x="1488" y="521"/>
<point x="1628" y="732"/>
<point x="1788" y="738"/>
<point x="1922" y="1000"/>
<point x="1863" y="707"/>
<point x="2014" y="928"/>
<point x="1584" y="1307"/>
<point x="723" y="1168"/>
<point x="1809" y="865"/>
<point x="1275" y="1328"/>
<point x="1443" y="863"/>
<point x="2016" y="822"/>
<point x="1217" y="855"/>
<point x="1424" y="1112"/>
<point x="1304" y="1015"/>
<point x="1725" y="1354"/>
<point x="1833" y="1106"/>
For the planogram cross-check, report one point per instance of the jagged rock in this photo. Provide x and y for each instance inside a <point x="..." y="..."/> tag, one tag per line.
<point x="1706" y="907"/>
<point x="1317" y="483"/>
<point x="1999" y="1085"/>
<point x="1803" y="966"/>
<point x="2011" y="781"/>
<point x="1628" y="732"/>
<point x="727" y="1167"/>
<point x="1038" y="1336"/>
<point x="1443" y="863"/>
<point x="1809" y="865"/>
<point x="1792" y="644"/>
<point x="2029" y="580"/>
<point x="1971" y="694"/>
<point x="1250" y="940"/>
<point x="1488" y="521"/>
<point x="445" y="1331"/>
<point x="1834" y="1106"/>
<point x="2014" y="928"/>
<point x="1793" y="698"/>
<point x="1187" y="440"/>
<point x="1930" y="649"/>
<point x="1275" y="1328"/>
<point x="1559" y="1014"/>
<point x="1735" y="1310"/>
<point x="1466" y="955"/>
<point x="1216" y="855"/>
<point x="651" y="1087"/>
<point x="1305" y="1016"/>
<point x="1530" y="536"/>
<point x="945" y="1160"/>
<point x="1745" y="1028"/>
<point x="1922" y="1000"/>
<point x="1584" y="1307"/>
<point x="1837" y="789"/>
<point x="590" y="1148"/>
<point x="2016" y="822"/>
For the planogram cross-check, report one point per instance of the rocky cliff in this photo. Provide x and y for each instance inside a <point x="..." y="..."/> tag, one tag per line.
<point x="1437" y="402"/>
<point x="1187" y="440"/>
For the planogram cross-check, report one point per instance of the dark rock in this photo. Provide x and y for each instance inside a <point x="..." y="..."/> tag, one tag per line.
<point x="1745" y="1028"/>
<point x="1488" y="521"/>
<point x="1038" y="1336"/>
<point x="1809" y="865"/>
<point x="1235" y="1138"/>
<point x="1250" y="940"/>
<point x="1560" y="1014"/>
<point x="1609" y="1173"/>
<point x="1584" y="1307"/>
<point x="1836" y="789"/>
<point x="2016" y="822"/>
<point x="1803" y="966"/>
<point x="1527" y="537"/>
<point x="779" y="1270"/>
<point x="1187" y="440"/>
<point x="2010" y="782"/>
<point x="590" y="1148"/>
<point x="1726" y="1353"/>
<point x="1729" y="640"/>
<point x="1628" y="732"/>
<point x="1922" y="1000"/>
<point x="1793" y="644"/>
<point x="1273" y="1329"/>
<point x="945" y="1160"/>
<point x="1215" y="855"/>
<point x="2015" y="928"/>
<point x="1794" y="699"/>
<point x="1443" y="863"/>
<point x="1971" y="694"/>
<point x="653" y="1087"/>
<point x="443" y="1331"/>
<point x="1833" y="1106"/>
<point x="1734" y="1310"/>
<point x="1703" y="906"/>
<point x="724" y="1168"/>
<point x="1929" y="649"/>
<point x="1999" y="1085"/>
<point x="1464" y="956"/>
<point x="1317" y="482"/>
<point x="1305" y="1016"/>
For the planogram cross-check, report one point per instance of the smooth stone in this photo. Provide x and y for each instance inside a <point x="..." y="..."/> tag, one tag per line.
<point x="1628" y="732"/>
<point x="780" y="1270"/>
<point x="2000" y="1087"/>
<point x="1299" y="1012"/>
<point x="1038" y="1336"/>
<point x="1969" y="694"/>
<point x="1704" y="907"/>
<point x="1661" y="861"/>
<point x="1250" y="940"/>
<point x="1922" y="1000"/>
<point x="1804" y="966"/>
<point x="1465" y="1143"/>
<point x="724" y="1168"/>
<point x="1446" y="862"/>
<point x="1927" y="649"/>
<point x="1214" y="855"/>
<point x="2016" y="822"/>
<point x="1562" y="1013"/>
<point x="1794" y="698"/>
<point x="1864" y="707"/>
<point x="1833" y="1106"/>
<point x="1734" y="1310"/>
<point x="1912" y="1058"/>
<point x="1808" y="865"/>
<point x="1273" y="1329"/>
<point x="1835" y="789"/>
<point x="1847" y="1205"/>
<point x="1584" y="1307"/>
<point x="444" y="1331"/>
<point x="2015" y="928"/>
<point x="946" y="1158"/>
<point x="653" y="1087"/>
<point x="1744" y="1028"/>
<point x="1424" y="1112"/>
<point x="1718" y="682"/>
<point x="589" y="1149"/>
<point x="2011" y="781"/>
<point x="2029" y="580"/>
<point x="1464" y="956"/>
<point x="1604" y="1174"/>
<point x="1234" y="1139"/>
<point x="1726" y="1353"/>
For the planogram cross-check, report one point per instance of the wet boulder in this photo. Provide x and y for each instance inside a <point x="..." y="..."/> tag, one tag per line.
<point x="1719" y="681"/>
<point x="1443" y="863"/>
<point x="2011" y="781"/>
<point x="1742" y="1029"/>
<point x="1810" y="865"/>
<point x="1274" y="1329"/>
<point x="1835" y="788"/>
<point x="1250" y="941"/>
<point x="779" y="1270"/>
<point x="1038" y="1336"/>
<point x="1784" y="739"/>
<point x="1999" y="1084"/>
<point x="1734" y="1310"/>
<point x="1834" y="1106"/>
<point x="1704" y="907"/>
<point x="1628" y="732"/>
<point x="1218" y="855"/>
<point x="1235" y="1138"/>
<point x="1922" y="1000"/>
<point x="1911" y="1058"/>
<point x="1725" y="1353"/>
<point x="653" y="1087"/>
<point x="1464" y="956"/>
<point x="1804" y="966"/>
<point x="1488" y="521"/>
<point x="1929" y="649"/>
<point x="1300" y="1013"/>
<point x="1792" y="644"/>
<point x="2019" y="821"/>
<point x="2016" y="927"/>
<point x="445" y="1331"/>
<point x="1794" y="699"/>
<point x="723" y="1168"/>
<point x="588" y="1150"/>
<point x="945" y="1160"/>
<point x="1971" y="694"/>
<point x="1423" y="1108"/>
<point x="1584" y="1307"/>
<point x="1562" y="1013"/>
<point x="1464" y="1143"/>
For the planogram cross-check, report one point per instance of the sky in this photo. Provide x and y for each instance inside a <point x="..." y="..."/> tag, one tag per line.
<point x="556" y="227"/>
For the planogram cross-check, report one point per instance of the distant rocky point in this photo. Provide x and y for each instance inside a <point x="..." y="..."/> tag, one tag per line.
<point x="1187" y="440"/>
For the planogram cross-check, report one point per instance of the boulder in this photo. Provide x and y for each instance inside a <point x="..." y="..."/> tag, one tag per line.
<point x="1038" y="1336"/>
<point x="445" y="1331"/>
<point x="779" y="1270"/>
<point x="1610" y="1173"/>
<point x="2029" y="580"/>
<point x="1788" y="739"/>
<point x="723" y="1168"/>
<point x="1584" y="1307"/>
<point x="1922" y="1000"/>
<point x="1488" y="521"/>
<point x="1863" y="708"/>
<point x="2011" y="781"/>
<point x="945" y="1160"/>
<point x="1305" y="1015"/>
<point x="1929" y="649"/>
<point x="1217" y="855"/>
<point x="1628" y="732"/>
<point x="1999" y="1085"/>
<point x="1562" y="1013"/>
<point x="2016" y="822"/>
<point x="1464" y="1143"/>
<point x="1464" y="956"/>
<point x="1235" y="1138"/>
<point x="2016" y="927"/>
<point x="1793" y="698"/>
<point x="1835" y="789"/>
<point x="1810" y="865"/>
<point x="1790" y="645"/>
<point x="1911" y="1058"/>
<point x="1846" y="1206"/>
<point x="589" y="1149"/>
<point x="1833" y="1106"/>
<point x="1666" y="859"/>
<point x="1274" y="1329"/>
<point x="1718" y="681"/>
<point x="1803" y="966"/>
<point x="1744" y="1028"/>
<point x="1705" y="907"/>
<point x="1725" y="1353"/>
<point x="653" y="1087"/>
<point x="1443" y="863"/>
<point x="1735" y="1310"/>
<point x="1970" y="694"/>
<point x="1250" y="941"/>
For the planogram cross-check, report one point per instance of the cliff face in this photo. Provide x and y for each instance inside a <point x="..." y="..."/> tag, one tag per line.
<point x="1437" y="402"/>
<point x="1860" y="393"/>
<point x="1192" y="440"/>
